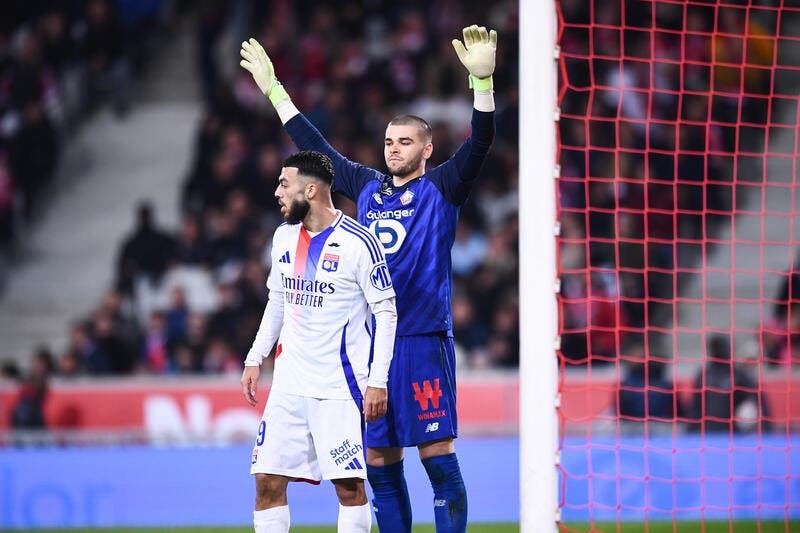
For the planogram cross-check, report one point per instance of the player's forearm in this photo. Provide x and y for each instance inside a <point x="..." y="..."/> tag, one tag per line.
<point x="470" y="157"/>
<point x="268" y="331"/>
<point x="482" y="132"/>
<point x="383" y="349"/>
<point x="307" y="137"/>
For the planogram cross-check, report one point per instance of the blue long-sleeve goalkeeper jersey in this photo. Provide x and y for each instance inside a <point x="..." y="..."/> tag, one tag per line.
<point x="415" y="222"/>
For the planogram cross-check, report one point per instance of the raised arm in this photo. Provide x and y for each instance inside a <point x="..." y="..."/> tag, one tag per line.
<point x="477" y="53"/>
<point x="349" y="177"/>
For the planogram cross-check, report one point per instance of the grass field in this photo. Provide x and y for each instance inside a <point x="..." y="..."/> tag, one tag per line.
<point x="653" y="527"/>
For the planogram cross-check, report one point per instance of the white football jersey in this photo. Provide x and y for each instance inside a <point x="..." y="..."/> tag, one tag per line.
<point x="326" y="283"/>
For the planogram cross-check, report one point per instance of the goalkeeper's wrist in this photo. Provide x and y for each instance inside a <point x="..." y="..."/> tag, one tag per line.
<point x="481" y="84"/>
<point x="277" y="93"/>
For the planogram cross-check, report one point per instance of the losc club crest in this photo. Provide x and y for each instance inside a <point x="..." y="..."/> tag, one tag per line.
<point x="330" y="263"/>
<point x="406" y="198"/>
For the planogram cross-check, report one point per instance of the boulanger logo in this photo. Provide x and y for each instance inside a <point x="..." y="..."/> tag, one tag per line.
<point x="390" y="232"/>
<point x="379" y="277"/>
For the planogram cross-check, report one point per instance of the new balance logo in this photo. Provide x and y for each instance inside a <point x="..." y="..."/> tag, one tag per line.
<point x="432" y="427"/>
<point x="333" y="244"/>
<point x="354" y="465"/>
<point x="285" y="258"/>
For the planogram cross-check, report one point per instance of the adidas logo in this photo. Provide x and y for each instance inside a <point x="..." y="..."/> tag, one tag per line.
<point x="354" y="465"/>
<point x="285" y="258"/>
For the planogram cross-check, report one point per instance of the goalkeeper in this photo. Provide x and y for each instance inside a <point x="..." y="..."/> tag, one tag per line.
<point x="414" y="212"/>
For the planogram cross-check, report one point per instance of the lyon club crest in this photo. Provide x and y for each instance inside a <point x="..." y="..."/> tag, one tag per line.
<point x="330" y="262"/>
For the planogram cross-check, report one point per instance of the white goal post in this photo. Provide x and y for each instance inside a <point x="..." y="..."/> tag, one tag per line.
<point x="538" y="369"/>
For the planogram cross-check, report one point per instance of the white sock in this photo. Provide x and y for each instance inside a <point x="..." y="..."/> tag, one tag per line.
<point x="273" y="520"/>
<point x="355" y="519"/>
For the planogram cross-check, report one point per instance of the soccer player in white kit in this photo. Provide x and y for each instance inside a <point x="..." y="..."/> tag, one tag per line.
<point x="328" y="278"/>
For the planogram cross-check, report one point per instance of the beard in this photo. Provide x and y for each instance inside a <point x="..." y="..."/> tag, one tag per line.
<point x="411" y="165"/>
<point x="297" y="211"/>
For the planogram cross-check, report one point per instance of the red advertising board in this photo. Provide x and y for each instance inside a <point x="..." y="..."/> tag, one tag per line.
<point x="213" y="408"/>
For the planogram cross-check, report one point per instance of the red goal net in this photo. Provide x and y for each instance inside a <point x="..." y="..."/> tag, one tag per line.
<point x="679" y="267"/>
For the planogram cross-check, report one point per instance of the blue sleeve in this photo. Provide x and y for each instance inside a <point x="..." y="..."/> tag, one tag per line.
<point x="455" y="177"/>
<point x="349" y="177"/>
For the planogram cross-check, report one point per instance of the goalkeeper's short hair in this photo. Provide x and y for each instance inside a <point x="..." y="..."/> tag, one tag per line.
<point x="413" y="120"/>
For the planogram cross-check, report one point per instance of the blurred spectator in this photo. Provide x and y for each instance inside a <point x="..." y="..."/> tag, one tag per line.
<point x="222" y="359"/>
<point x="145" y="254"/>
<point x="469" y="249"/>
<point x="28" y="411"/>
<point x="105" y="49"/>
<point x="7" y="194"/>
<point x="594" y="321"/>
<point x="503" y="344"/>
<point x="124" y="323"/>
<point x="726" y="398"/>
<point x="33" y="152"/>
<point x="155" y="357"/>
<point x="79" y="351"/>
<point x="177" y="316"/>
<point x="469" y="331"/>
<point x="192" y="247"/>
<point x="43" y="365"/>
<point x="108" y="352"/>
<point x="646" y="395"/>
<point x="197" y="339"/>
<point x="781" y="329"/>
<point x="10" y="370"/>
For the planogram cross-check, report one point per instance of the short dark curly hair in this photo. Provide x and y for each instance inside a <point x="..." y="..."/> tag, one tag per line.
<point x="312" y="164"/>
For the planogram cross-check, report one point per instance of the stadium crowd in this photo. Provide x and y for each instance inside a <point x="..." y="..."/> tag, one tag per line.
<point x="190" y="300"/>
<point x="636" y="190"/>
<point x="58" y="61"/>
<point x="653" y="103"/>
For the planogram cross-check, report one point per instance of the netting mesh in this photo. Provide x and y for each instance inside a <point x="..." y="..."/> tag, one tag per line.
<point x="679" y="305"/>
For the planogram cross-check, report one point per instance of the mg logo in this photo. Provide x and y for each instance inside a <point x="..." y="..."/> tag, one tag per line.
<point x="379" y="277"/>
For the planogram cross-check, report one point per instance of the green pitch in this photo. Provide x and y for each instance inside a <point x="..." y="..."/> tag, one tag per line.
<point x="653" y="527"/>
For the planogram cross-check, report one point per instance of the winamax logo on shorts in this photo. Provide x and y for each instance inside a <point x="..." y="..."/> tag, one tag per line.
<point x="428" y="396"/>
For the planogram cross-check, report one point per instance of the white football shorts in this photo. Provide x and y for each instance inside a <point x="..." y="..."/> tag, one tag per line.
<point x="310" y="439"/>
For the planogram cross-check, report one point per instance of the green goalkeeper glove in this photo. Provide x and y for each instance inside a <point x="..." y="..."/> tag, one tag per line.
<point x="256" y="62"/>
<point x="478" y="55"/>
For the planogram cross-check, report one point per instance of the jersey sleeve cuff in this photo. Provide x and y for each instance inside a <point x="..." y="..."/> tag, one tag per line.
<point x="376" y="383"/>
